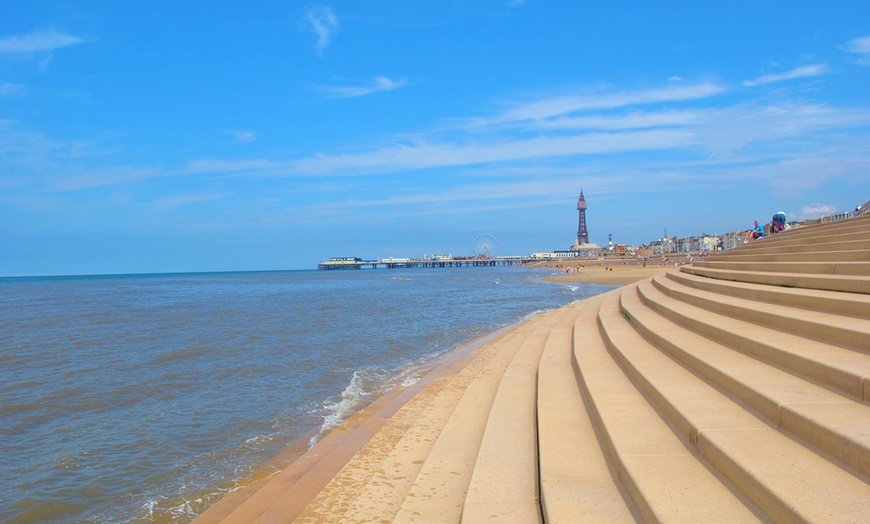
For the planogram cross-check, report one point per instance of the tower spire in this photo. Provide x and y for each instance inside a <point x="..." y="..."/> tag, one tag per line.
<point x="582" y="233"/>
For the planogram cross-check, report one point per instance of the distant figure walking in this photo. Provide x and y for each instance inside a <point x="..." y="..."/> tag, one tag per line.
<point x="777" y="224"/>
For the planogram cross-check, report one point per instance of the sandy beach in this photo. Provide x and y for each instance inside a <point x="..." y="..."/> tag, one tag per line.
<point x="619" y="273"/>
<point x="345" y="453"/>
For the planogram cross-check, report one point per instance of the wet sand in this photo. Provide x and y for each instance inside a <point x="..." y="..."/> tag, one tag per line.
<point x="335" y="453"/>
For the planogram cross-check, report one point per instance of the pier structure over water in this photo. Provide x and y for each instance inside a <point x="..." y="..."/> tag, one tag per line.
<point x="394" y="263"/>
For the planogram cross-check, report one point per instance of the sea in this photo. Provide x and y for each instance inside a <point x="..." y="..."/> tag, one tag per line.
<point x="145" y="398"/>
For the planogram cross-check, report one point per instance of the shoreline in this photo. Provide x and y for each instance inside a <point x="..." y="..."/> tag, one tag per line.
<point x="350" y="437"/>
<point x="335" y="450"/>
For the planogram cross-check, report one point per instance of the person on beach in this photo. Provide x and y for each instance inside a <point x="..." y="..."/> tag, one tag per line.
<point x="777" y="224"/>
<point x="757" y="231"/>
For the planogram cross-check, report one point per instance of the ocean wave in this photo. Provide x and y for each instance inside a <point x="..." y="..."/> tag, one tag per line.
<point x="533" y="314"/>
<point x="365" y="385"/>
<point x="353" y="398"/>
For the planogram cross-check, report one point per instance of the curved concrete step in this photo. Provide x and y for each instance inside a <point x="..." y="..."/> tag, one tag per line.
<point x="576" y="483"/>
<point x="844" y="304"/>
<point x="841" y="255"/>
<point x="834" y="329"/>
<point x="814" y="268"/>
<point x="815" y="234"/>
<point x="788" y="247"/>
<point x="660" y="472"/>
<point x="399" y="473"/>
<point x="504" y="482"/>
<point x="824" y="237"/>
<point x="438" y="491"/>
<point x="829" y="422"/>
<point x="847" y="284"/>
<point x="821" y="231"/>
<point x="835" y="367"/>
<point x="758" y="460"/>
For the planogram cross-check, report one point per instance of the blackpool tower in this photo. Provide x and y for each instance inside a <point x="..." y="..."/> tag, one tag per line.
<point x="582" y="233"/>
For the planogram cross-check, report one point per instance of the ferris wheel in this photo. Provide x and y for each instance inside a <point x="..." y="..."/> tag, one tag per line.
<point x="485" y="247"/>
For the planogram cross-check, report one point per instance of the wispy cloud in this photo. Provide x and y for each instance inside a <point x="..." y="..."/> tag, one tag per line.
<point x="799" y="72"/>
<point x="8" y="88"/>
<point x="859" y="48"/>
<point x="44" y="40"/>
<point x="631" y="120"/>
<point x="376" y="85"/>
<point x="426" y="155"/>
<point x="100" y="177"/>
<point x="815" y="209"/>
<point x="324" y="23"/>
<point x="562" y="128"/>
<point x="244" y="136"/>
<point x="182" y="200"/>
<point x="564" y="105"/>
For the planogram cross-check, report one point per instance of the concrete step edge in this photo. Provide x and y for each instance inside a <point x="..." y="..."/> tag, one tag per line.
<point x="814" y="268"/>
<point x="839" y="245"/>
<point x="661" y="475"/>
<point x="575" y="480"/>
<point x="786" y="401"/>
<point x="777" y="495"/>
<point x="850" y="255"/>
<point x="833" y="329"/>
<point x="450" y="460"/>
<point x="834" y="367"/>
<point x="504" y="480"/>
<point x="803" y="236"/>
<point x="847" y="284"/>
<point x="838" y="303"/>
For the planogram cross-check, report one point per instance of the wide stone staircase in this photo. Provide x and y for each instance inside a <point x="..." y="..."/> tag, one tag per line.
<point x="734" y="389"/>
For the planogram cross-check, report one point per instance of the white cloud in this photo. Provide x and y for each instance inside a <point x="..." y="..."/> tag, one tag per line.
<point x="730" y="129"/>
<point x="815" y="210"/>
<point x="244" y="136"/>
<point x="859" y="47"/>
<point x="181" y="200"/>
<point x="101" y="177"/>
<point x="800" y="72"/>
<point x="376" y="85"/>
<point x="632" y="120"/>
<point x="45" y="40"/>
<point x="324" y="23"/>
<point x="424" y="155"/>
<point x="8" y="88"/>
<point x="557" y="106"/>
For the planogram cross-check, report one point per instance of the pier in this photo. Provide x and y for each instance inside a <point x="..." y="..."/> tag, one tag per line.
<point x="339" y="263"/>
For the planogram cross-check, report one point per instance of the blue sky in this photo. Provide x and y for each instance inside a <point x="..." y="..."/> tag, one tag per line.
<point x="209" y="136"/>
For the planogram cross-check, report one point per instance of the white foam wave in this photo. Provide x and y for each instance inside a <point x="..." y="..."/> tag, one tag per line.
<point x="352" y="399"/>
<point x="533" y="314"/>
<point x="364" y="385"/>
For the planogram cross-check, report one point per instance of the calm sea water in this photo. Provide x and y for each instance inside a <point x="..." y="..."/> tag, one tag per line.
<point x="146" y="397"/>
